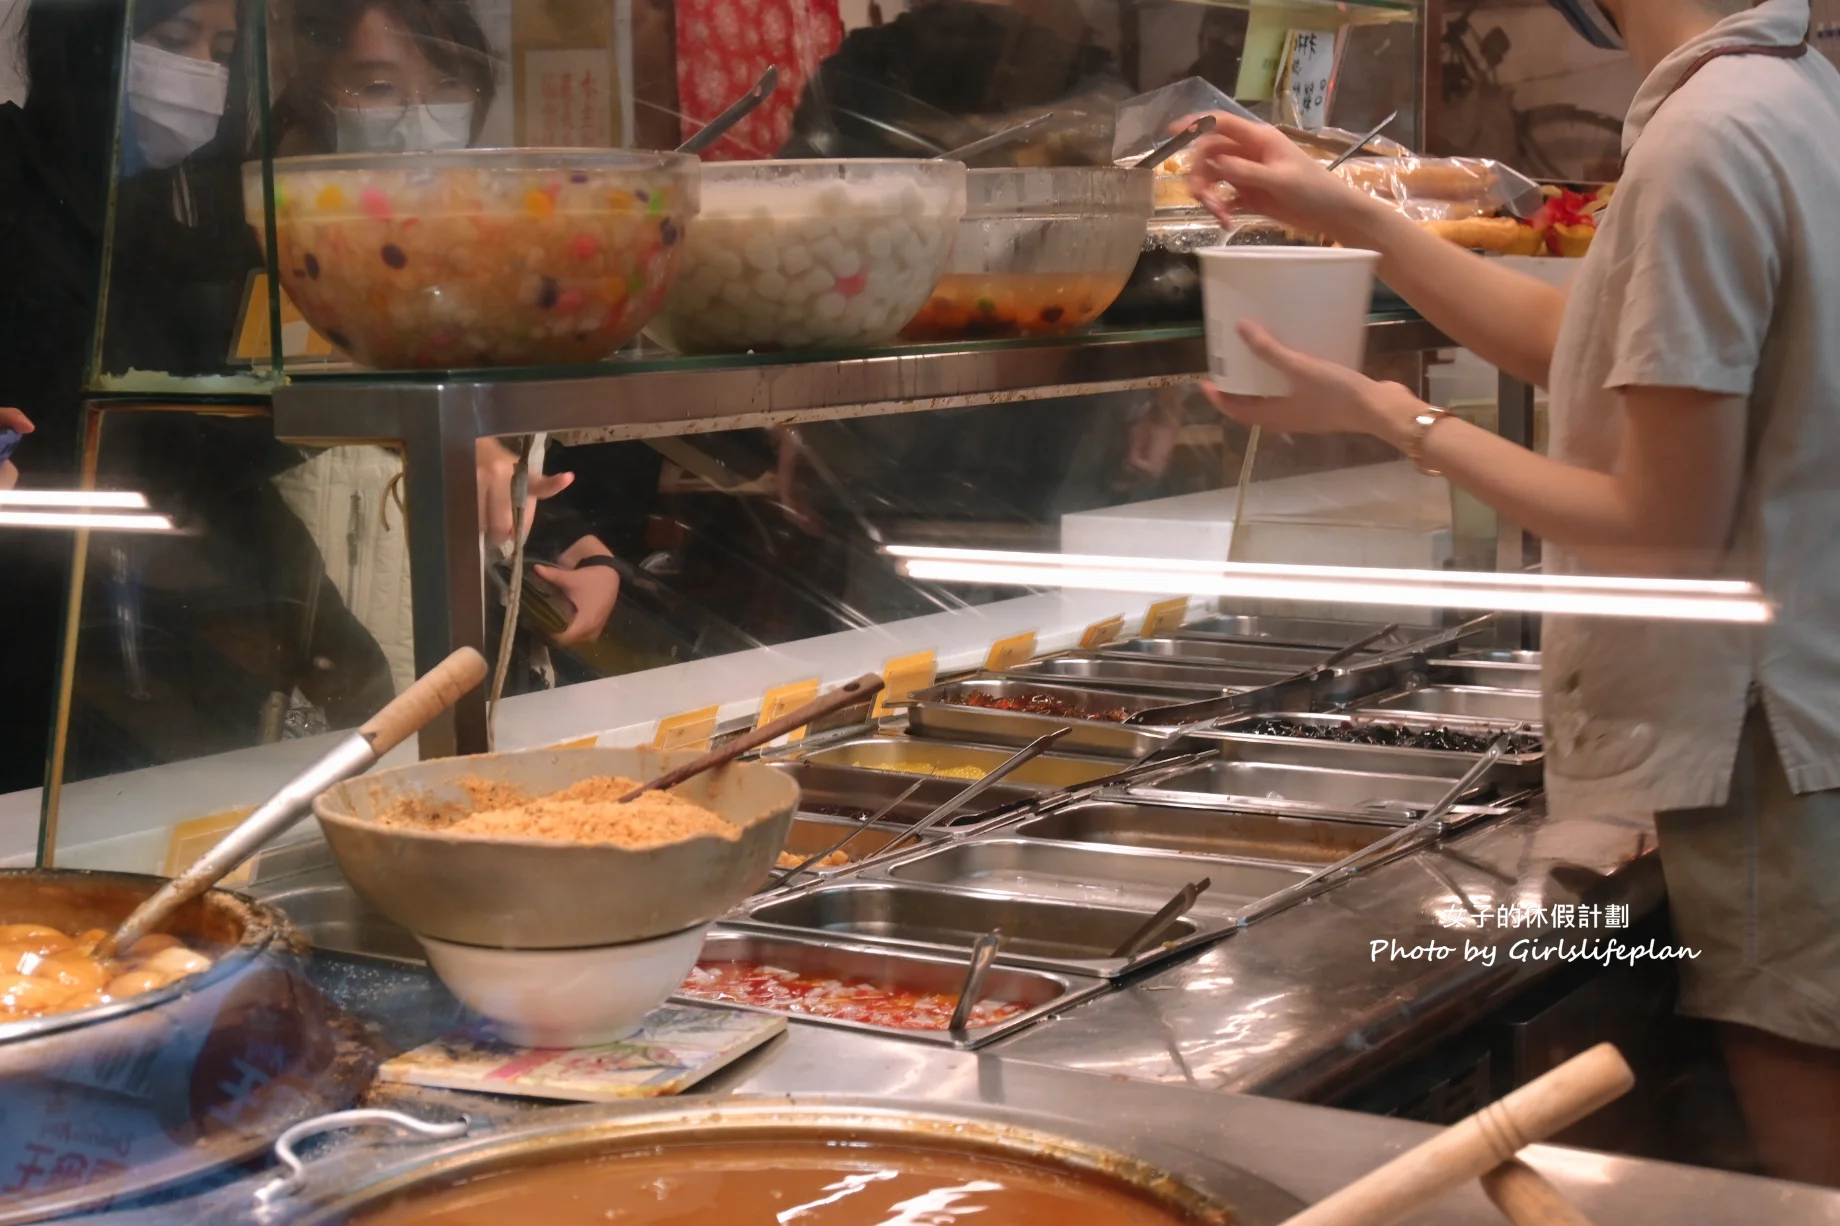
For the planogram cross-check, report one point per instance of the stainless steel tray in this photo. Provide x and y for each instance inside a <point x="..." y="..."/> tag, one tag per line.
<point x="1043" y="992"/>
<point x="936" y="712"/>
<point x="1049" y="935"/>
<point x="1495" y="655"/>
<point x="1524" y="767"/>
<point x="1466" y="701"/>
<point x="1131" y="879"/>
<point x="1264" y="784"/>
<point x="812" y="834"/>
<point x="886" y="756"/>
<point x="852" y="792"/>
<point x="1324" y="633"/>
<point x="1200" y="679"/>
<point x="1259" y="658"/>
<point x="1488" y="674"/>
<point x="1201" y="831"/>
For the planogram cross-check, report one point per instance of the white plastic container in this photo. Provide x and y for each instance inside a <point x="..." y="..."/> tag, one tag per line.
<point x="1312" y="299"/>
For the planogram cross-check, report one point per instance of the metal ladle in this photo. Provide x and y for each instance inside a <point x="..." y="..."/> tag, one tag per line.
<point x="438" y="689"/>
<point x="983" y="956"/>
<point x="738" y="110"/>
<point x="996" y="140"/>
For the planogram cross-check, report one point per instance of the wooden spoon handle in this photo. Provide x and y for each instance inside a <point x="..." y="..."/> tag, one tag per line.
<point x="1473" y="1146"/>
<point x="865" y="686"/>
<point x="436" y="690"/>
<point x="1526" y="1199"/>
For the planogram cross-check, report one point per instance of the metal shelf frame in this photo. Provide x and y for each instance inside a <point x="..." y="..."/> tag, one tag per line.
<point x="437" y="421"/>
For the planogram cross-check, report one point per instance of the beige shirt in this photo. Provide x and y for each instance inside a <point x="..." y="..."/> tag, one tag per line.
<point x="1716" y="267"/>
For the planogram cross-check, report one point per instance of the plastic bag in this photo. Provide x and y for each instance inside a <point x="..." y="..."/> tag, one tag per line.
<point x="1443" y="189"/>
<point x="1146" y="121"/>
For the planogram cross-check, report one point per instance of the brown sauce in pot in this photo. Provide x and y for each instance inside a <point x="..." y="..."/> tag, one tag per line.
<point x="782" y="1183"/>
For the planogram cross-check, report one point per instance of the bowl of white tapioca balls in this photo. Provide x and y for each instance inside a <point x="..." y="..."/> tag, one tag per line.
<point x="811" y="254"/>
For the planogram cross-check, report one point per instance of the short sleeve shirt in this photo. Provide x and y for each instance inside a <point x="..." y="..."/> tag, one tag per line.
<point x="1717" y="268"/>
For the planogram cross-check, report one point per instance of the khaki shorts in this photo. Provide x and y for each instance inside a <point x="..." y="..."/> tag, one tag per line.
<point x="1754" y="886"/>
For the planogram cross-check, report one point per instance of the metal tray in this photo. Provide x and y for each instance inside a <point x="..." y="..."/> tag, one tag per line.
<point x="1488" y="674"/>
<point x="1201" y="831"/>
<point x="1273" y="662"/>
<point x="1043" y="992"/>
<point x="1495" y="655"/>
<point x="1320" y="789"/>
<point x="1050" y="935"/>
<point x="1324" y="633"/>
<point x="846" y="793"/>
<point x="937" y="713"/>
<point x="1184" y="679"/>
<point x="1131" y="879"/>
<point x="841" y="769"/>
<point x="1466" y="701"/>
<point x="1521" y="767"/>
<point x="812" y="834"/>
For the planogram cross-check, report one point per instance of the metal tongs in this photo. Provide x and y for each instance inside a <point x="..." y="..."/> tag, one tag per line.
<point x="996" y="140"/>
<point x="1433" y="823"/>
<point x="959" y="800"/>
<point x="1188" y="713"/>
<point x="1152" y="929"/>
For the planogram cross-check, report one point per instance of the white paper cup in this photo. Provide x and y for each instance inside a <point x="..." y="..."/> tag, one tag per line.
<point x="1312" y="299"/>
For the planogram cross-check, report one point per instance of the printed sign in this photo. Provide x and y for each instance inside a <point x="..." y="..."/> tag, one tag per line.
<point x="690" y="730"/>
<point x="190" y="840"/>
<point x="1165" y="615"/>
<point x="1011" y="651"/>
<point x="782" y="699"/>
<point x="903" y="675"/>
<point x="568" y="98"/>
<point x="1102" y="632"/>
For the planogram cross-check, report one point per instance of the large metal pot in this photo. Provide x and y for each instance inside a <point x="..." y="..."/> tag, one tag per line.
<point x="1193" y="1189"/>
<point x="103" y="1103"/>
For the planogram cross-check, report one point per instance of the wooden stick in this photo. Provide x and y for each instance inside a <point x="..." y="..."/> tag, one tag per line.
<point x="866" y="686"/>
<point x="1525" y="1197"/>
<point x="1471" y="1147"/>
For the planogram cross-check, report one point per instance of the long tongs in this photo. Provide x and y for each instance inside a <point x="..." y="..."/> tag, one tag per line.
<point x="1185" y="713"/>
<point x="1151" y="930"/>
<point x="738" y="110"/>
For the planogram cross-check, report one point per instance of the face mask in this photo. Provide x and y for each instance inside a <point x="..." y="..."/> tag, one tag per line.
<point x="422" y="128"/>
<point x="1592" y="23"/>
<point x="176" y="102"/>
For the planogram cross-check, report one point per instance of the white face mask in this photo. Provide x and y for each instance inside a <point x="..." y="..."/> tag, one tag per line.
<point x="422" y="128"/>
<point x="176" y="102"/>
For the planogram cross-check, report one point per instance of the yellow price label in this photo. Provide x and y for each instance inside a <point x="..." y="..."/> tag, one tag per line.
<point x="1011" y="651"/>
<point x="1165" y="615"/>
<point x="298" y="339"/>
<point x="690" y="730"/>
<point x="903" y="675"/>
<point x="190" y="840"/>
<point x="580" y="742"/>
<point x="1100" y="633"/>
<point x="782" y="699"/>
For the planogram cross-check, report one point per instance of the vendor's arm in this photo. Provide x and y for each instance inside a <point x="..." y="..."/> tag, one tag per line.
<point x="1667" y="509"/>
<point x="1509" y="320"/>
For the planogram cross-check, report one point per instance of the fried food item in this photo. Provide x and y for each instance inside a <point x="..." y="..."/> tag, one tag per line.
<point x="1497" y="234"/>
<point x="588" y="811"/>
<point x="928" y="768"/>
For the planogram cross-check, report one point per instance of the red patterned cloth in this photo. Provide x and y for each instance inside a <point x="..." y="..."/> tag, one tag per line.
<point x="722" y="48"/>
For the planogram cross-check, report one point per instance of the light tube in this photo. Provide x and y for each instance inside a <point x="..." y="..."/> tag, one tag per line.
<point x="85" y="519"/>
<point x="124" y="499"/>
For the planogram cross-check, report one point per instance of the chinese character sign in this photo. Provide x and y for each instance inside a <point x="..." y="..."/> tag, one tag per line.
<point x="723" y="47"/>
<point x="1311" y="68"/>
<point x="566" y="97"/>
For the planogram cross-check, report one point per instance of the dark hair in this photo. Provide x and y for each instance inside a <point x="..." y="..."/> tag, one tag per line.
<point x="445" y="31"/>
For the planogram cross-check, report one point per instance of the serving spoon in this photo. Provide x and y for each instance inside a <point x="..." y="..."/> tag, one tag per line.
<point x="406" y="714"/>
<point x="738" y="110"/>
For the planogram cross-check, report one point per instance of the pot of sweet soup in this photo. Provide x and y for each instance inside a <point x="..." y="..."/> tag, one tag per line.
<point x="189" y="1051"/>
<point x="808" y="1160"/>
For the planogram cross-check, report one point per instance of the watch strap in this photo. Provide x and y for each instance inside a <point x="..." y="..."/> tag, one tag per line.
<point x="1427" y="417"/>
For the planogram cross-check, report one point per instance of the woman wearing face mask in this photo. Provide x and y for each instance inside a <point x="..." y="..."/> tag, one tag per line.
<point x="1695" y="400"/>
<point x="394" y="76"/>
<point x="384" y="76"/>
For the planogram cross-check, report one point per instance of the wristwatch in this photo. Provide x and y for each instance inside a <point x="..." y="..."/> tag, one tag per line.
<point x="1427" y="417"/>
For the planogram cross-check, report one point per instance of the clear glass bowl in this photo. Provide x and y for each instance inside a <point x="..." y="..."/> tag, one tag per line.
<point x="478" y="257"/>
<point x="1040" y="252"/>
<point x="803" y="254"/>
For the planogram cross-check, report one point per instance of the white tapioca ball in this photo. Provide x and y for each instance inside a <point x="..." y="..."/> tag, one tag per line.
<point x="771" y="286"/>
<point x="795" y="259"/>
<point x="878" y="243"/>
<point x="763" y="253"/>
<point x="829" y="306"/>
<point x="827" y="249"/>
<point x="834" y="200"/>
<point x="735" y="293"/>
<point x="845" y="263"/>
<point x="726" y="263"/>
<point x="819" y="281"/>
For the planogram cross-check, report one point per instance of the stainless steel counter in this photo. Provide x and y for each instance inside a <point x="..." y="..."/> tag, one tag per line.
<point x="1296" y="1004"/>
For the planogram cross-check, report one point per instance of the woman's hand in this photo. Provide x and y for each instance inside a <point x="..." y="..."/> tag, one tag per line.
<point x="1325" y="398"/>
<point x="495" y="464"/>
<point x="12" y="419"/>
<point x="593" y="590"/>
<point x="1269" y="174"/>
